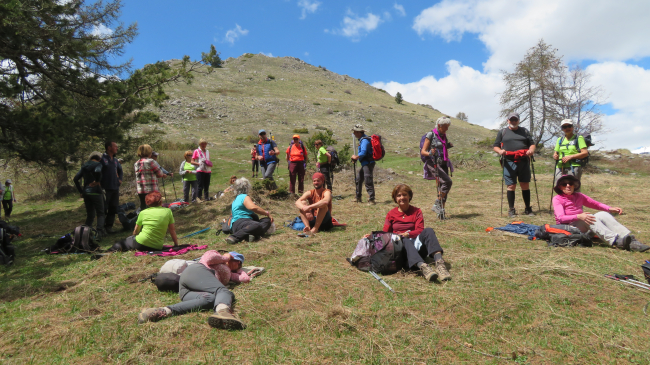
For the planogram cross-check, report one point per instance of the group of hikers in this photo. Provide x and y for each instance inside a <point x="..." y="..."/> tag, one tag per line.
<point x="204" y="285"/>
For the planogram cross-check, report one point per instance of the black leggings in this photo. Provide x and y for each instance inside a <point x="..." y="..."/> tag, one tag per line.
<point x="244" y="227"/>
<point x="129" y="244"/>
<point x="8" y="206"/>
<point x="204" y="184"/>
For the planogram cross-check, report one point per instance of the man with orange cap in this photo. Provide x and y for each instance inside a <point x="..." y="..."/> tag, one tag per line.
<point x="315" y="206"/>
<point x="296" y="158"/>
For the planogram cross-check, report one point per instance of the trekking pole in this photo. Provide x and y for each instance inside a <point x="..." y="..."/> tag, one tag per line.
<point x="631" y="278"/>
<point x="195" y="233"/>
<point x="502" y="182"/>
<point x="382" y="281"/>
<point x="626" y="282"/>
<point x="354" y="149"/>
<point x="174" y="185"/>
<point x="164" y="192"/>
<point x="532" y="164"/>
<point x="550" y="205"/>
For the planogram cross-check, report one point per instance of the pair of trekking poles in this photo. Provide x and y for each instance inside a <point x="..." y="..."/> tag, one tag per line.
<point x="532" y="165"/>
<point x="165" y="192"/>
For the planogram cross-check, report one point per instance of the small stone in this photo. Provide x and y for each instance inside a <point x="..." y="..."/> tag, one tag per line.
<point x="410" y="172"/>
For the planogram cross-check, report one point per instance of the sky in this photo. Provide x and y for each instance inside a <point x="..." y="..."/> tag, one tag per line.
<point x="449" y="54"/>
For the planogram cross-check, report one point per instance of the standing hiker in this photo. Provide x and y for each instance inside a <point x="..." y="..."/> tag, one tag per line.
<point x="516" y="147"/>
<point x="244" y="221"/>
<point x="568" y="204"/>
<point x="324" y="163"/>
<point x="254" y="162"/>
<point x="147" y="172"/>
<point x="8" y="198"/>
<point x="267" y="152"/>
<point x="188" y="173"/>
<point x="364" y="155"/>
<point x="204" y="170"/>
<point x="315" y="206"/>
<point x="421" y="244"/>
<point x="91" y="192"/>
<point x="154" y="156"/>
<point x="296" y="159"/>
<point x="112" y="175"/>
<point x="204" y="286"/>
<point x="569" y="150"/>
<point x="437" y="164"/>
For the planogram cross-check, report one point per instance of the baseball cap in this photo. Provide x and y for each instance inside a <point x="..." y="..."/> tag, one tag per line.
<point x="154" y="153"/>
<point x="261" y="131"/>
<point x="513" y="115"/>
<point x="8" y="181"/>
<point x="296" y="136"/>
<point x="237" y="256"/>
<point x="566" y="121"/>
<point x="358" y="128"/>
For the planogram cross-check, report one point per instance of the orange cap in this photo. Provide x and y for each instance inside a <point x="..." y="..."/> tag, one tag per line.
<point x="296" y="136"/>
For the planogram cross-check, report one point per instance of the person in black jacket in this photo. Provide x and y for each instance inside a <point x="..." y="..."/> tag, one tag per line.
<point x="111" y="180"/>
<point x="92" y="193"/>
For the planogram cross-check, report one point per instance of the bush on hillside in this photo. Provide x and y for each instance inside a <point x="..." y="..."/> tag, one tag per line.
<point x="301" y="130"/>
<point x="348" y="92"/>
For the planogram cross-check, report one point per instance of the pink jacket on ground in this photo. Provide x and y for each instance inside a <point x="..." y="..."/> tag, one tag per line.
<point x="567" y="207"/>
<point x="213" y="260"/>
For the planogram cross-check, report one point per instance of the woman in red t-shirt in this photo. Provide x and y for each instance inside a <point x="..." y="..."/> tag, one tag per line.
<point x="419" y="242"/>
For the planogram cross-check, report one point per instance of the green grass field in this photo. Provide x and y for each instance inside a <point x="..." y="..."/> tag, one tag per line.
<point x="510" y="299"/>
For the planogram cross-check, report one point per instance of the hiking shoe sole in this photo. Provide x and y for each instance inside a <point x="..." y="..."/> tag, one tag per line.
<point x="231" y="240"/>
<point x="225" y="323"/>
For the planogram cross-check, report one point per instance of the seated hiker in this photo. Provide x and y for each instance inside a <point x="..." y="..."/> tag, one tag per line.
<point x="244" y="223"/>
<point x="203" y="286"/>
<point x="568" y="206"/>
<point x="150" y="228"/>
<point x="420" y="243"/>
<point x="92" y="192"/>
<point x="315" y="206"/>
<point x="230" y="188"/>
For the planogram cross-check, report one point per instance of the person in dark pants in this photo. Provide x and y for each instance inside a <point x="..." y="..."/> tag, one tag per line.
<point x="324" y="163"/>
<point x="91" y="192"/>
<point x="516" y="147"/>
<point x="296" y="158"/>
<point x="364" y="155"/>
<point x="8" y="198"/>
<point x="437" y="162"/>
<point x="204" y="169"/>
<point x="255" y="163"/>
<point x="243" y="222"/>
<point x="112" y="175"/>
<point x="202" y="286"/>
<point x="421" y="244"/>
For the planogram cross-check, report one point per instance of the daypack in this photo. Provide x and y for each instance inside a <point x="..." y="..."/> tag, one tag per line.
<point x="424" y="138"/>
<point x="83" y="239"/>
<point x="378" y="151"/>
<point x="386" y="256"/>
<point x="167" y="282"/>
<point x="129" y="219"/>
<point x="296" y="224"/>
<point x="335" y="157"/>
<point x="563" y="235"/>
<point x="175" y="266"/>
<point x="587" y="137"/>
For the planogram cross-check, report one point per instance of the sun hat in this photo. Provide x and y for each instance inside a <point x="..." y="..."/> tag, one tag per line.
<point x="8" y="181"/>
<point x="566" y="121"/>
<point x="358" y="128"/>
<point x="296" y="136"/>
<point x="513" y="114"/>
<point x="261" y="131"/>
<point x="237" y="256"/>
<point x="565" y="179"/>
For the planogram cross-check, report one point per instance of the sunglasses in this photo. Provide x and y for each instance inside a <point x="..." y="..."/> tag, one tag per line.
<point x="567" y="184"/>
<point x="514" y="120"/>
<point x="567" y="126"/>
<point x="262" y="134"/>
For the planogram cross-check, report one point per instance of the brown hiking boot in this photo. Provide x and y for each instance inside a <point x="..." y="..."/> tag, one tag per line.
<point x="443" y="273"/>
<point x="151" y="315"/>
<point x="428" y="272"/>
<point x="371" y="202"/>
<point x="224" y="319"/>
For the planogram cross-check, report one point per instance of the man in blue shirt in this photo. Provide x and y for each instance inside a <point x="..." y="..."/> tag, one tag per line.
<point x="111" y="180"/>
<point x="364" y="155"/>
<point x="267" y="152"/>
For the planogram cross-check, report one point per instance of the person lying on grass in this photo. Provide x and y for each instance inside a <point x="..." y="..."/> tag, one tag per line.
<point x="203" y="287"/>
<point x="150" y="228"/>
<point x="568" y="205"/>
<point x="420" y="243"/>
<point x="315" y="206"/>
<point x="244" y="222"/>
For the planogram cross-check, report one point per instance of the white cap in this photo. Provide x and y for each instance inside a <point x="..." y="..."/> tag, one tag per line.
<point x="566" y="121"/>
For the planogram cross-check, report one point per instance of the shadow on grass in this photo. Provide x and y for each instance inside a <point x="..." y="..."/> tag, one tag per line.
<point x="467" y="215"/>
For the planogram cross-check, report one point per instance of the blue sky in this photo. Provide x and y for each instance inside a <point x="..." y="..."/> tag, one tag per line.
<point x="445" y="53"/>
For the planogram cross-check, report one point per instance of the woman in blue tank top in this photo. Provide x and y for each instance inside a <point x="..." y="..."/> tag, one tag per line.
<point x="244" y="222"/>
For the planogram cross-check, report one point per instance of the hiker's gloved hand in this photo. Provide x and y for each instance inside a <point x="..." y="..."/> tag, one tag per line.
<point x="616" y="210"/>
<point x="587" y="218"/>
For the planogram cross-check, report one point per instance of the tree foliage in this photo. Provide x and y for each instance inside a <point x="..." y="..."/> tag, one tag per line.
<point x="398" y="98"/>
<point x="544" y="91"/>
<point x="462" y="116"/>
<point x="212" y="58"/>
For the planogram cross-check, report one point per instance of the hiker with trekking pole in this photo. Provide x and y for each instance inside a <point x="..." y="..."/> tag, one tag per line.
<point x="516" y="147"/>
<point x="434" y="147"/>
<point x="365" y="157"/>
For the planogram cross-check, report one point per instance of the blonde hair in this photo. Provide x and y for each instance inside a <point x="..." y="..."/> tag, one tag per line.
<point x="144" y="150"/>
<point x="203" y="140"/>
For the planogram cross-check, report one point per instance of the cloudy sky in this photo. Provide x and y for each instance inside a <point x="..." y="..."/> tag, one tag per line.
<point x="449" y="54"/>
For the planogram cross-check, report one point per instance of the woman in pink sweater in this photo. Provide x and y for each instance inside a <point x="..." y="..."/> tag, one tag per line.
<point x="568" y="210"/>
<point x="204" y="286"/>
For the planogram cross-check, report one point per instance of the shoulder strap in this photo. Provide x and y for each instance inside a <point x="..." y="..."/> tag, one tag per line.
<point x="76" y="238"/>
<point x="85" y="238"/>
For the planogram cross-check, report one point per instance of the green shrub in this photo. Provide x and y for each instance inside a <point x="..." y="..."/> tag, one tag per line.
<point x="270" y="77"/>
<point x="383" y="91"/>
<point x="301" y="130"/>
<point x="316" y="103"/>
<point x="485" y="143"/>
<point x="335" y="111"/>
<point x="200" y="110"/>
<point x="368" y="120"/>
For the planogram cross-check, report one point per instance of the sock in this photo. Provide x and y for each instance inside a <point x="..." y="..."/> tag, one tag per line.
<point x="511" y="199"/>
<point x="419" y="264"/>
<point x="168" y="310"/>
<point x="526" y="195"/>
<point x="221" y="306"/>
<point x="437" y="256"/>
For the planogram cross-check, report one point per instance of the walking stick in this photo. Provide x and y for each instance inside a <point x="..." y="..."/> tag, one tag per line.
<point x="502" y="183"/>
<point x="532" y="164"/>
<point x="174" y="185"/>
<point x="164" y="192"/>
<point x="382" y="281"/>
<point x="356" y="188"/>
<point x="550" y="205"/>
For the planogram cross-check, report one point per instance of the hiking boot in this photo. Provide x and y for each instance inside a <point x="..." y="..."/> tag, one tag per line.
<point x="151" y="315"/>
<point x="224" y="319"/>
<point x="428" y="272"/>
<point x="101" y="233"/>
<point x="529" y="211"/>
<point x="357" y="200"/>
<point x="512" y="212"/>
<point x="443" y="273"/>
<point x="251" y="238"/>
<point x="232" y="240"/>
<point x="623" y="242"/>
<point x="637" y="246"/>
<point x="437" y="206"/>
<point x="371" y="202"/>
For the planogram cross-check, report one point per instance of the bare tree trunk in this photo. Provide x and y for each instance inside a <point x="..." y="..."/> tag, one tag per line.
<point x="63" y="186"/>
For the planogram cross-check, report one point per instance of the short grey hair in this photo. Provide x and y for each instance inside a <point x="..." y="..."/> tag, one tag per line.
<point x="242" y="186"/>
<point x="443" y="121"/>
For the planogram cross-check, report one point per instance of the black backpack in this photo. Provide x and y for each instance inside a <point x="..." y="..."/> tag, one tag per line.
<point x="588" y="142"/>
<point x="563" y="235"/>
<point x="389" y="256"/>
<point x="127" y="218"/>
<point x="83" y="239"/>
<point x="335" y="157"/>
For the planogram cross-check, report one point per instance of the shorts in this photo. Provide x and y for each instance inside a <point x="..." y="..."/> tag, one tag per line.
<point x="516" y="171"/>
<point x="325" y="225"/>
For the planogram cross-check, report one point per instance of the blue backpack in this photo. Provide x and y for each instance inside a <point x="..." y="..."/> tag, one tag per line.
<point x="297" y="224"/>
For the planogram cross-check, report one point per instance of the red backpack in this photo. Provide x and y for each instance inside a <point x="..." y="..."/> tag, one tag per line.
<point x="378" y="151"/>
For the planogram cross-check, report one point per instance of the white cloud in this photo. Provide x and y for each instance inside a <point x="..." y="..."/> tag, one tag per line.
<point x="267" y="54"/>
<point x="234" y="34"/>
<point x="101" y="30"/>
<point x="308" y="7"/>
<point x="400" y="9"/>
<point x="600" y="30"/>
<point x="354" y="26"/>
<point x="463" y="89"/>
<point x="306" y="53"/>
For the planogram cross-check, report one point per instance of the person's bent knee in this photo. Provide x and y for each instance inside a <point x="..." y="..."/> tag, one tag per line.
<point x="512" y="187"/>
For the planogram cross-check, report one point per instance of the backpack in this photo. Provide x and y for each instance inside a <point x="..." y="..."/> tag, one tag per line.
<point x="335" y="157"/>
<point x="296" y="224"/>
<point x="424" y="138"/>
<point x="387" y="256"/>
<point x="378" y="151"/>
<point x="562" y="235"/>
<point x="587" y="138"/>
<point x="175" y="266"/>
<point x="128" y="220"/>
<point x="82" y="240"/>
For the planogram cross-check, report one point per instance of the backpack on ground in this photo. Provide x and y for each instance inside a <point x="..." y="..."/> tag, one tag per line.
<point x="563" y="235"/>
<point x="296" y="224"/>
<point x="82" y="240"/>
<point x="587" y="138"/>
<point x="386" y="255"/>
<point x="335" y="157"/>
<point x="167" y="282"/>
<point x="127" y="218"/>
<point x="175" y="266"/>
